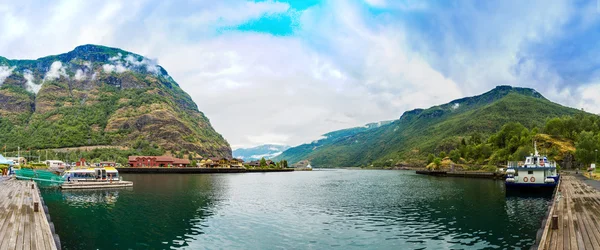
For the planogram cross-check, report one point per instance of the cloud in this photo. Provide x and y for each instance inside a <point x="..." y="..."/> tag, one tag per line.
<point x="80" y="75"/>
<point x="346" y="63"/>
<point x="5" y="72"/>
<point x="118" y="68"/>
<point x="31" y="85"/>
<point x="56" y="71"/>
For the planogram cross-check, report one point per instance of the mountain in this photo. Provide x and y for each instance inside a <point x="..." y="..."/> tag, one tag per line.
<point x="268" y="151"/>
<point x="96" y="95"/>
<point x="421" y="131"/>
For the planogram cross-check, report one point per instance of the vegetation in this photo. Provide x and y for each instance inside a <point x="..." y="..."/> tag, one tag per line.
<point x="106" y="108"/>
<point x="491" y="128"/>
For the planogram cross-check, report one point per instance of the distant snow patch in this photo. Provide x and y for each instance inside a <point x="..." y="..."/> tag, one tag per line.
<point x="5" y="72"/>
<point x="56" y="71"/>
<point x="31" y="85"/>
<point x="456" y="105"/>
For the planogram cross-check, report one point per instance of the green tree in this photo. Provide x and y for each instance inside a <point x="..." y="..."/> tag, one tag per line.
<point x="585" y="147"/>
<point x="285" y="163"/>
<point x="437" y="162"/>
<point x="455" y="155"/>
<point x="442" y="154"/>
<point x="430" y="158"/>
<point x="263" y="162"/>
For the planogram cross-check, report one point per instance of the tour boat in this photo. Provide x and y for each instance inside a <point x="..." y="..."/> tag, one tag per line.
<point x="536" y="172"/>
<point x="93" y="178"/>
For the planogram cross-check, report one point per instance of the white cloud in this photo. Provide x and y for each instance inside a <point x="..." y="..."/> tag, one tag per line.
<point x="118" y="68"/>
<point x="5" y="72"/>
<point x="31" y="85"/>
<point x="56" y="71"/>
<point x="80" y="75"/>
<point x="343" y="66"/>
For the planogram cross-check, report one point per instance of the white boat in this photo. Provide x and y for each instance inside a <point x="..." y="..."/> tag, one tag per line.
<point x="93" y="178"/>
<point x="56" y="166"/>
<point x="536" y="172"/>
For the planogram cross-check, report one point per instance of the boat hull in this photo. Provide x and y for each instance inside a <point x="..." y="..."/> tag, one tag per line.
<point x="97" y="185"/>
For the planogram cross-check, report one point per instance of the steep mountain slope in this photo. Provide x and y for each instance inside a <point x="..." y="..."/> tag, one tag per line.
<point x="96" y="95"/>
<point x="422" y="131"/>
<point x="268" y="151"/>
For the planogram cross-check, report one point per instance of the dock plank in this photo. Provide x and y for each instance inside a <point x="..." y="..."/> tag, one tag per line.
<point x="20" y="226"/>
<point x="578" y="208"/>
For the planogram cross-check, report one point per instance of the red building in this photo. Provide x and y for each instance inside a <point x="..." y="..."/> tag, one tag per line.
<point x="157" y="161"/>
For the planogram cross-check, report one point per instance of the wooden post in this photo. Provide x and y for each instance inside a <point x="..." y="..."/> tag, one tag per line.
<point x="36" y="206"/>
<point x="554" y="222"/>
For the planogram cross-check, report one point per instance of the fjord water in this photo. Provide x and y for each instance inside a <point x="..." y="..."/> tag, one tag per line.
<point x="341" y="209"/>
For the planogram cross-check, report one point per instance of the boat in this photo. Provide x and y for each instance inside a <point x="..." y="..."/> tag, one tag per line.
<point x="535" y="173"/>
<point x="93" y="178"/>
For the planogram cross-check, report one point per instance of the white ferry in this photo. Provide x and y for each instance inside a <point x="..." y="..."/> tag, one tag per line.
<point x="536" y="172"/>
<point x="93" y="178"/>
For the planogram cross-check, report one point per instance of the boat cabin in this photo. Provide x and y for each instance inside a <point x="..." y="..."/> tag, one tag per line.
<point x="92" y="174"/>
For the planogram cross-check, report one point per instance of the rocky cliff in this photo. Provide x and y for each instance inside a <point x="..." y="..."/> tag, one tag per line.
<point x="96" y="95"/>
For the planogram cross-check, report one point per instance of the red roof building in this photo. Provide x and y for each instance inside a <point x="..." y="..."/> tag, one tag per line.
<point x="157" y="161"/>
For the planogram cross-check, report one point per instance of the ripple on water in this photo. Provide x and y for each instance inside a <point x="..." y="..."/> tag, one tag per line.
<point x="319" y="209"/>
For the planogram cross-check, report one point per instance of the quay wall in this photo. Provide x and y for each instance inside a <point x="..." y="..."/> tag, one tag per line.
<point x="197" y="170"/>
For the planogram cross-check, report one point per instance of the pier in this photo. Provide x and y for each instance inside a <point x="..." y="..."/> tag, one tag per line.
<point x="574" y="218"/>
<point x="23" y="221"/>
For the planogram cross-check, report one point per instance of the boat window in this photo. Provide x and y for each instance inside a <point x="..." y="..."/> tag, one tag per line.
<point x="529" y="172"/>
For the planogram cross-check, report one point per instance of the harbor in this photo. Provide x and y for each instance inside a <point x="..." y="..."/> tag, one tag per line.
<point x="573" y="221"/>
<point x="23" y="220"/>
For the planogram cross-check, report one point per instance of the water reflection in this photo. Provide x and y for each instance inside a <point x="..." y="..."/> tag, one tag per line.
<point x="330" y="209"/>
<point x="158" y="212"/>
<point x="85" y="197"/>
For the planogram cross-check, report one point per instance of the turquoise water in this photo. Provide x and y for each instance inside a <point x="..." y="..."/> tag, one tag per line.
<point x="336" y="209"/>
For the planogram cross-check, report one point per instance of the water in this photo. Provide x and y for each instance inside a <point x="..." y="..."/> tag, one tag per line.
<point x="340" y="209"/>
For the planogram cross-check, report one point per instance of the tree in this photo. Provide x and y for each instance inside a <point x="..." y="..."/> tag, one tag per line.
<point x="193" y="163"/>
<point x="455" y="155"/>
<point x="285" y="164"/>
<point x="442" y="154"/>
<point x="430" y="158"/>
<point x="437" y="162"/>
<point x="263" y="162"/>
<point x="585" y="147"/>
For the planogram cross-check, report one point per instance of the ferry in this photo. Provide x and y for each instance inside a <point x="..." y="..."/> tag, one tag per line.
<point x="93" y="178"/>
<point x="536" y="172"/>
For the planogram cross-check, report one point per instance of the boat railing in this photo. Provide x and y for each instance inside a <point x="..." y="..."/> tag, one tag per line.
<point x="513" y="164"/>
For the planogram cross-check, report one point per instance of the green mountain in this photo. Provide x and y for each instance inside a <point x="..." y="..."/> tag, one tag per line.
<point x="96" y="95"/>
<point x="422" y="131"/>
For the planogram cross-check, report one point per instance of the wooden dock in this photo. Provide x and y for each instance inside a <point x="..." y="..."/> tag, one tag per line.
<point x="577" y="208"/>
<point x="20" y="226"/>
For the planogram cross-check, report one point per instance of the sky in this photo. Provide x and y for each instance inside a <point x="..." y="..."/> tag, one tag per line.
<point x="286" y="72"/>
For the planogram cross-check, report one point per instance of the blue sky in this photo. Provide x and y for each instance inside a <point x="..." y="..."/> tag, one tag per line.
<point x="304" y="68"/>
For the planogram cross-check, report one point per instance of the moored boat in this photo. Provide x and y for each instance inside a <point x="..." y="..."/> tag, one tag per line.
<point x="93" y="178"/>
<point x="536" y="172"/>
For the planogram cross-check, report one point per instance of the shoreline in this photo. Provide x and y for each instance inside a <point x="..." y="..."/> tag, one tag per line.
<point x="197" y="170"/>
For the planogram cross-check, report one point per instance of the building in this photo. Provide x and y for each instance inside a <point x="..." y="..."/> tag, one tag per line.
<point x="157" y="161"/>
<point x="253" y="164"/>
<point x="107" y="164"/>
<point x="221" y="162"/>
<point x="236" y="163"/>
<point x="18" y="161"/>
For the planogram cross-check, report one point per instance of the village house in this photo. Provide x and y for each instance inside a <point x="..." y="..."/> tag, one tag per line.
<point x="221" y="162"/>
<point x="157" y="161"/>
<point x="107" y="164"/>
